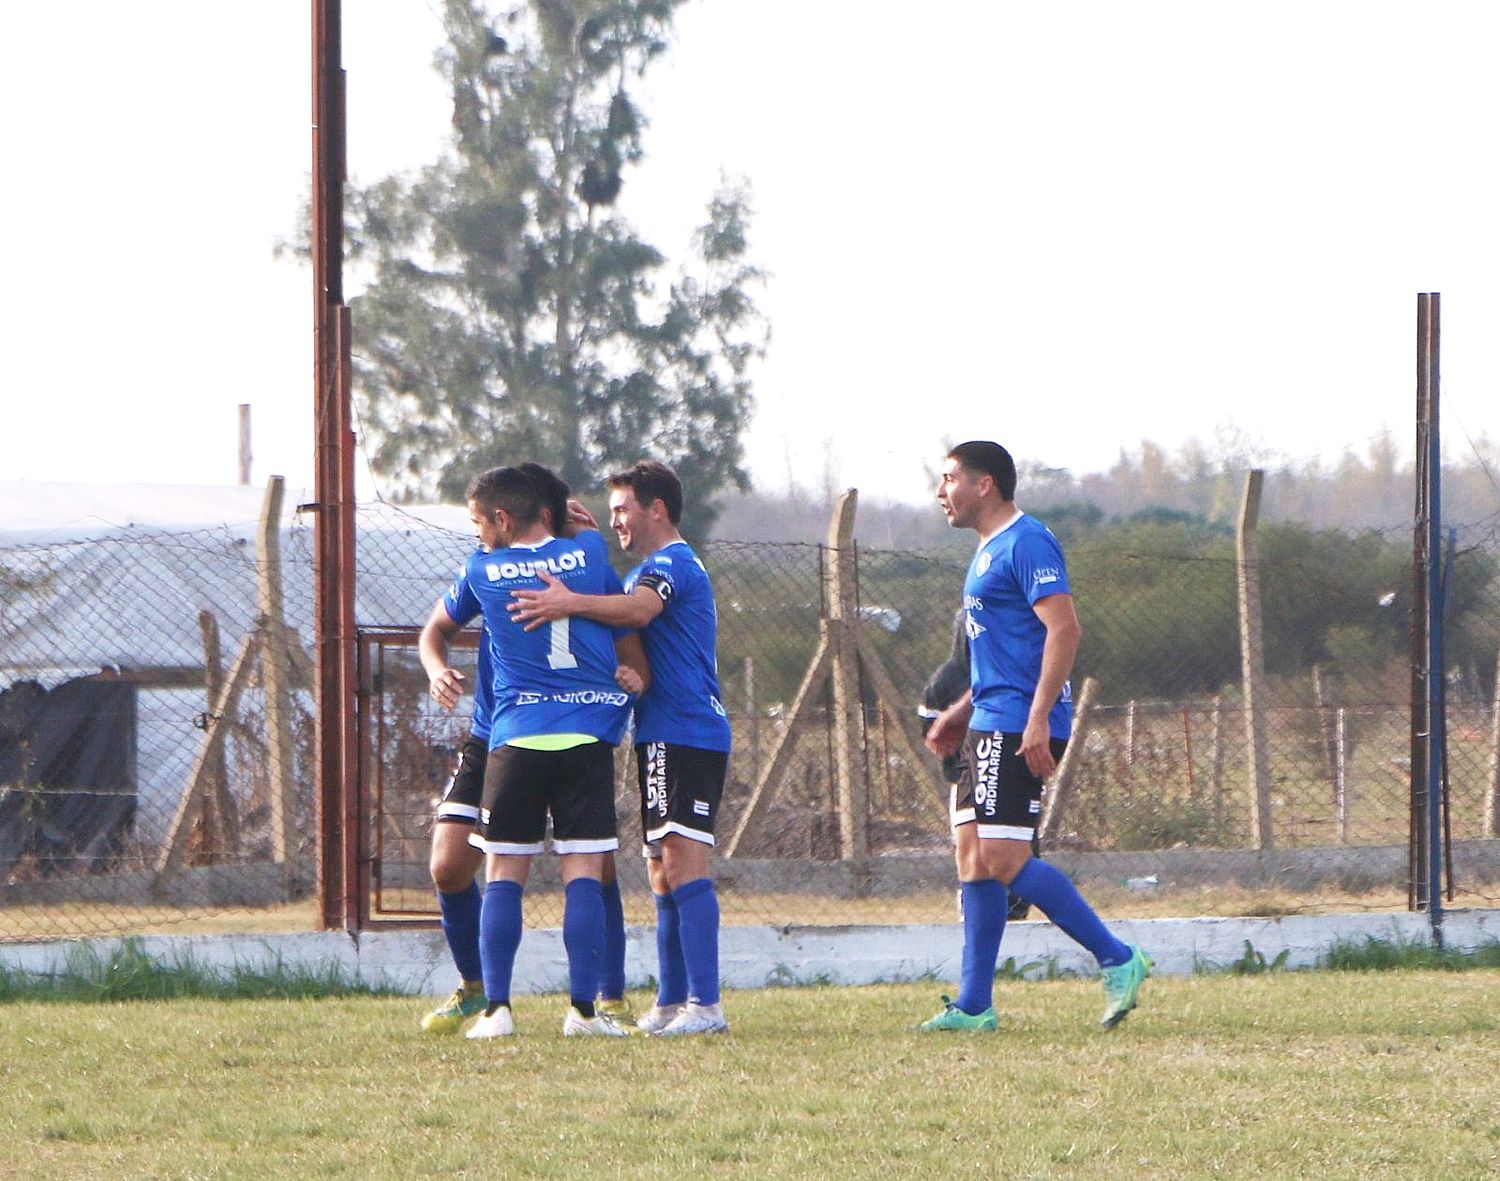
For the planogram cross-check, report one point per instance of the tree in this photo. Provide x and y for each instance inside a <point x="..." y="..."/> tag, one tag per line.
<point x="511" y="313"/>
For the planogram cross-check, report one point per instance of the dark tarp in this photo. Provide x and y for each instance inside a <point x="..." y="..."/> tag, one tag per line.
<point x="67" y="774"/>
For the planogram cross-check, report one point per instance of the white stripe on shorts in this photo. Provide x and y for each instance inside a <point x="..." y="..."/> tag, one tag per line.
<point x="692" y="834"/>
<point x="507" y="848"/>
<point x="1004" y="832"/>
<point x="457" y="812"/>
<point x="599" y="845"/>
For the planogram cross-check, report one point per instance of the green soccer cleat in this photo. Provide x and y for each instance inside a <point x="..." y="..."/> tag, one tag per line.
<point x="954" y="1018"/>
<point x="619" y="1012"/>
<point x="467" y="1001"/>
<point x="1122" y="984"/>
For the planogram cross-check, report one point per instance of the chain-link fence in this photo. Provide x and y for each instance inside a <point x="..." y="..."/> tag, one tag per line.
<point x="157" y="729"/>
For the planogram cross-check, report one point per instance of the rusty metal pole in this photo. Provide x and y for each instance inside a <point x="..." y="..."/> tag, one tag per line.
<point x="334" y="483"/>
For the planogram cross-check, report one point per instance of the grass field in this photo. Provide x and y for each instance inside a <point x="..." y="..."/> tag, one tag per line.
<point x="1308" y="1074"/>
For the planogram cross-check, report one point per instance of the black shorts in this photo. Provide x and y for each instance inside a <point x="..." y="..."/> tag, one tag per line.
<point x="465" y="791"/>
<point x="681" y="787"/>
<point x="997" y="790"/>
<point x="522" y="787"/>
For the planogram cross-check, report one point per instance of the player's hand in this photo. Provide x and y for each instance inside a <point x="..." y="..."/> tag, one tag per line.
<point x="947" y="730"/>
<point x="580" y="517"/>
<point x="536" y="607"/>
<point x="447" y="687"/>
<point x="630" y="680"/>
<point x="1036" y="748"/>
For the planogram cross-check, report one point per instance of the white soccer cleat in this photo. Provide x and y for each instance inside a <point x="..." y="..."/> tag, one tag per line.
<point x="575" y="1024"/>
<point x="658" y="1017"/>
<point x="696" y="1019"/>
<point x="496" y="1024"/>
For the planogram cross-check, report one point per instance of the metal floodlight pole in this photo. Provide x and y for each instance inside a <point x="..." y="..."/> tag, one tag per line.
<point x="338" y="861"/>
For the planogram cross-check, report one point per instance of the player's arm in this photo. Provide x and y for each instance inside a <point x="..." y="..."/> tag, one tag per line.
<point x="580" y="520"/>
<point x="445" y="683"/>
<point x="947" y="729"/>
<point x="634" y="671"/>
<point x="1059" y="650"/>
<point x="555" y="601"/>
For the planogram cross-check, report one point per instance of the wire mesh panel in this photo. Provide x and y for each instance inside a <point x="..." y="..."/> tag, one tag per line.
<point x="157" y="731"/>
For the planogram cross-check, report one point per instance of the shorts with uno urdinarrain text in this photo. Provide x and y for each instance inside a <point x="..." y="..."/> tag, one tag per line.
<point x="681" y="787"/>
<point x="523" y="786"/>
<point x="465" y="790"/>
<point x="997" y="791"/>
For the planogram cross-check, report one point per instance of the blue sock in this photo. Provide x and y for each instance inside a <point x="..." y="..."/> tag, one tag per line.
<point x="612" y="967"/>
<point x="1054" y="895"/>
<point x="461" y="929"/>
<point x="671" y="968"/>
<point x="499" y="936"/>
<point x="984" y="925"/>
<point x="583" y="939"/>
<point x="698" y="913"/>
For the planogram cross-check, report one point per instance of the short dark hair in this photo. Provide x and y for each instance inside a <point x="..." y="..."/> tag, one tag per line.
<point x="989" y="459"/>
<point x="651" y="480"/>
<point x="507" y="488"/>
<point x="552" y="491"/>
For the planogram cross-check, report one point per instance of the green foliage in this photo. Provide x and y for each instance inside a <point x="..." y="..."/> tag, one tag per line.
<point x="511" y="312"/>
<point x="130" y="973"/>
<point x="1253" y="962"/>
<point x="1148" y="821"/>
<point x="1387" y="955"/>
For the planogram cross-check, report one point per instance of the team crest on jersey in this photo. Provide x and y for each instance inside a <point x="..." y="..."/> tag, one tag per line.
<point x="982" y="563"/>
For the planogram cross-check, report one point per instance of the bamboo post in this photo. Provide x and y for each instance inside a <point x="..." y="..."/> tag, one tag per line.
<point x="1492" y="788"/>
<point x="1216" y="762"/>
<point x="276" y="676"/>
<point x="174" y="846"/>
<point x="1252" y="663"/>
<point x="840" y="574"/>
<point x="218" y="823"/>
<point x="1059" y="792"/>
<point x="1341" y="774"/>
<point x="752" y="716"/>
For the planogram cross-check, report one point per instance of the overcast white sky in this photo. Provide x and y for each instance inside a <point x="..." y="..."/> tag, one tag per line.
<point x="1068" y="227"/>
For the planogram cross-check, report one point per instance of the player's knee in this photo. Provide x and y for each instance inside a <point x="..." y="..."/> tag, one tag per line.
<point x="1003" y="860"/>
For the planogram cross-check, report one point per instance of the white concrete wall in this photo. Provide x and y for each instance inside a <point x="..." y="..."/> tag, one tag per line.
<point x="417" y="962"/>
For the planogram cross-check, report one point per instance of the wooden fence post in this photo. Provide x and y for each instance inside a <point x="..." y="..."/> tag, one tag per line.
<point x="1253" y="663"/>
<point x="276" y="677"/>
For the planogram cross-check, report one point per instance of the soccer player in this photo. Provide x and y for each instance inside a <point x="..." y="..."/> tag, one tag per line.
<point x="1014" y="724"/>
<point x="559" y="706"/>
<point x="454" y="862"/>
<point x="681" y="729"/>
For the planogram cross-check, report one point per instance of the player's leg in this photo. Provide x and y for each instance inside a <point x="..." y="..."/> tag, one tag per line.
<point x="583" y="834"/>
<point x="1123" y="967"/>
<point x="453" y="864"/>
<point x="671" y="968"/>
<point x="511" y="830"/>
<point x="611" y="997"/>
<point x="983" y="903"/>
<point x="685" y="785"/>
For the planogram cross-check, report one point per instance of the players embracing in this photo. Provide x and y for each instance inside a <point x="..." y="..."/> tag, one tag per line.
<point x="682" y="732"/>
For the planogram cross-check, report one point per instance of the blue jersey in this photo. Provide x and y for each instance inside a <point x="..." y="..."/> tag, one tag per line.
<point x="1011" y="571"/>
<point x="560" y="678"/>
<point x="682" y="705"/>
<point x="462" y="607"/>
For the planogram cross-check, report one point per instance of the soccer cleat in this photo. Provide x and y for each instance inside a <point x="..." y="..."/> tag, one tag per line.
<point x="575" y="1024"/>
<point x="496" y="1024"/>
<point x="658" y="1017"/>
<point x="619" y="1009"/>
<point x="954" y="1019"/>
<point x="695" y="1019"/>
<point x="453" y="1012"/>
<point x="1122" y="984"/>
